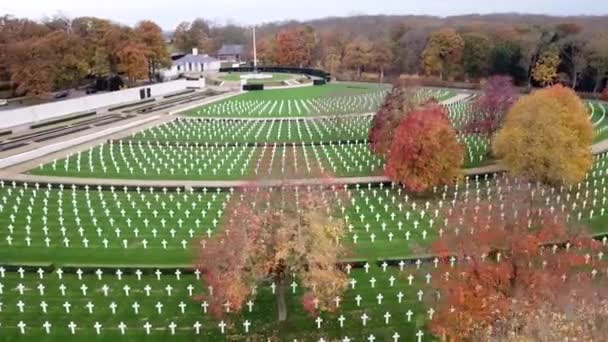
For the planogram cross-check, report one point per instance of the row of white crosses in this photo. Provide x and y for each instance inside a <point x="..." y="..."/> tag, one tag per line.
<point x="586" y="200"/>
<point x="121" y="295"/>
<point x="338" y="158"/>
<point x="145" y="158"/>
<point x="330" y="105"/>
<point x="477" y="147"/>
<point x="192" y="162"/>
<point x="108" y="219"/>
<point x="272" y="130"/>
<point x="461" y="112"/>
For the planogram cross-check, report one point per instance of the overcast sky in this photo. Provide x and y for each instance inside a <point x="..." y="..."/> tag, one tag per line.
<point x="169" y="13"/>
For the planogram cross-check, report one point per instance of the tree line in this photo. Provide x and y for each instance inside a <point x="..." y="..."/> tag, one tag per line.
<point x="60" y="53"/>
<point x="39" y="57"/>
<point x="533" y="55"/>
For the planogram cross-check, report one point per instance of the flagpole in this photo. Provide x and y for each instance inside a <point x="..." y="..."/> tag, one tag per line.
<point x="255" y="56"/>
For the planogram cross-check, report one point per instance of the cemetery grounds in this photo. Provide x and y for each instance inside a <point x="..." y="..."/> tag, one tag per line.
<point x="101" y="261"/>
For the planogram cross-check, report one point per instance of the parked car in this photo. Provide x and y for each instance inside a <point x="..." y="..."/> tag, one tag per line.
<point x="91" y="90"/>
<point x="3" y="102"/>
<point x="62" y="94"/>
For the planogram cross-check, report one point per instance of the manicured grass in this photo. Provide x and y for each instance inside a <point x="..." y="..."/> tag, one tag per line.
<point x="599" y="118"/>
<point x="163" y="228"/>
<point x="329" y="99"/>
<point x="78" y="224"/>
<point x="299" y="324"/>
<point x="148" y="161"/>
<point x="236" y="76"/>
<point x="258" y="131"/>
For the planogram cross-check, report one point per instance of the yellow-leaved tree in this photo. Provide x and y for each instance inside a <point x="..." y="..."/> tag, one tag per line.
<point x="547" y="137"/>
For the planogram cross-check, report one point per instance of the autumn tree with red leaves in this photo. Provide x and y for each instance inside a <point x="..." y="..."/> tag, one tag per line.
<point x="396" y="106"/>
<point x="492" y="106"/>
<point x="425" y="150"/>
<point x="267" y="237"/>
<point x="295" y="47"/>
<point x="507" y="258"/>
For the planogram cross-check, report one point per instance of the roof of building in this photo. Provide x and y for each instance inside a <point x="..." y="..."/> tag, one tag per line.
<point x="190" y="58"/>
<point x="231" y="49"/>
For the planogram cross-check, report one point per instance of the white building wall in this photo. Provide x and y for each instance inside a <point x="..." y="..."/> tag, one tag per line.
<point x="33" y="114"/>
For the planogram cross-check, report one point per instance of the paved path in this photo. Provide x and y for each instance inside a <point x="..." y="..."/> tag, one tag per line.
<point x="276" y="118"/>
<point x="31" y="179"/>
<point x="20" y="177"/>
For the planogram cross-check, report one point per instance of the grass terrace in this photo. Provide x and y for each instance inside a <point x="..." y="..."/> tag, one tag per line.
<point x="329" y="99"/>
<point x="276" y="77"/>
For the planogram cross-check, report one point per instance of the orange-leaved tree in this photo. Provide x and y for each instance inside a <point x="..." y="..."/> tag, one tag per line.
<point x="133" y="61"/>
<point x="547" y="136"/>
<point x="151" y="36"/>
<point x="269" y="236"/>
<point x="401" y="101"/>
<point x="425" y="150"/>
<point x="295" y="47"/>
<point x="505" y="257"/>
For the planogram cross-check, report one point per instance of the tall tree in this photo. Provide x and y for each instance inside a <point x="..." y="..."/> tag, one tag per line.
<point x="193" y="35"/>
<point x="443" y="52"/>
<point x="403" y="99"/>
<point x="266" y="51"/>
<point x="547" y="137"/>
<point x="357" y="55"/>
<point x="333" y="60"/>
<point x="425" y="151"/>
<point x="505" y="59"/>
<point x="497" y="97"/>
<point x="96" y="52"/>
<point x="598" y="58"/>
<point x="41" y="65"/>
<point x="545" y="69"/>
<point x="115" y="38"/>
<point x="530" y="44"/>
<point x="13" y="31"/>
<point x="151" y="36"/>
<point x="133" y="61"/>
<point x="573" y="52"/>
<point x="476" y="55"/>
<point x="270" y="238"/>
<point x="295" y="47"/>
<point x="381" y="57"/>
<point x="408" y="49"/>
<point x="511" y="255"/>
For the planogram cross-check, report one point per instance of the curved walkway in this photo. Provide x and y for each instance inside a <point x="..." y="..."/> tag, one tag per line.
<point x="273" y="118"/>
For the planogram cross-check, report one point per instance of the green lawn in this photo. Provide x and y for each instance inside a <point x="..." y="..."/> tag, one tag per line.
<point x="299" y="324"/>
<point x="329" y="99"/>
<point x="149" y="229"/>
<point x="149" y="161"/>
<point x="236" y="76"/>
<point x="156" y="228"/>
<point x="258" y="131"/>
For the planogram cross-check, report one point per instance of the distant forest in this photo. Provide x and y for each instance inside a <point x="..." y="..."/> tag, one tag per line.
<point x="39" y="57"/>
